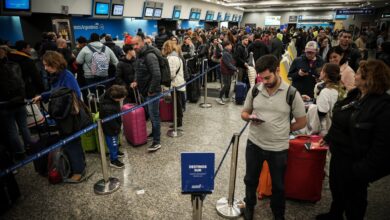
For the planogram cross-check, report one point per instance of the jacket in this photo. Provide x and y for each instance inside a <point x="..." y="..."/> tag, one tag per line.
<point x="108" y="107"/>
<point x="63" y="79"/>
<point x="359" y="134"/>
<point x="202" y="51"/>
<point x="240" y="55"/>
<point x="258" y="48"/>
<point x="12" y="93"/>
<point x="160" y="40"/>
<point x="188" y="51"/>
<point x="277" y="47"/>
<point x="31" y="76"/>
<point x="147" y="71"/>
<point x="177" y="70"/>
<point x="85" y="57"/>
<point x="347" y="76"/>
<point x="353" y="55"/>
<point x="115" y="48"/>
<point x="227" y="63"/>
<point x="305" y="84"/>
<point x="125" y="73"/>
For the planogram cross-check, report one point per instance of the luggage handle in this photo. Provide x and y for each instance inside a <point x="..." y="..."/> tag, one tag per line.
<point x="137" y="96"/>
<point x="40" y="105"/>
<point x="97" y="91"/>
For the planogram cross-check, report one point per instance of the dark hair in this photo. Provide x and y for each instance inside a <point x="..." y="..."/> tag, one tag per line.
<point x="257" y="35"/>
<point x="332" y="72"/>
<point x="267" y="62"/>
<point x="127" y="47"/>
<point x="108" y="38"/>
<point x="94" y="37"/>
<point x="55" y="60"/>
<point x="117" y="92"/>
<point x="82" y="40"/>
<point x="20" y="45"/>
<point x="226" y="43"/>
<point x="339" y="51"/>
<point x="244" y="37"/>
<point x="377" y="76"/>
<point x="345" y="32"/>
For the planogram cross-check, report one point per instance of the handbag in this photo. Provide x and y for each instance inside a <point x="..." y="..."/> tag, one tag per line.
<point x="34" y="115"/>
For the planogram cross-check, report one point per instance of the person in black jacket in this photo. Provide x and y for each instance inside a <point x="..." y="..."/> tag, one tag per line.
<point x="148" y="79"/>
<point x="241" y="56"/>
<point x="304" y="69"/>
<point x="257" y="47"/>
<point x="350" y="50"/>
<point x="227" y="70"/>
<point x="31" y="76"/>
<point x="109" y="106"/>
<point x="358" y="140"/>
<point x="125" y="73"/>
<point x="161" y="37"/>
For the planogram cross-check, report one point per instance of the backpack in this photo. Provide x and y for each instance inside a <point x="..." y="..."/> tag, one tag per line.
<point x="100" y="62"/>
<point x="164" y="68"/>
<point x="59" y="166"/>
<point x="289" y="97"/>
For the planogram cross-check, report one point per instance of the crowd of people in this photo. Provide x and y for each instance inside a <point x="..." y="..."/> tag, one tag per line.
<point x="331" y="70"/>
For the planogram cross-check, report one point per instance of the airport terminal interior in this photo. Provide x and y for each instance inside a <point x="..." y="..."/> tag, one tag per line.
<point x="53" y="57"/>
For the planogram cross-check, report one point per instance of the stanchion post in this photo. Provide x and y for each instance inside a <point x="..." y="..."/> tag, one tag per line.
<point x="175" y="132"/>
<point x="108" y="184"/>
<point x="197" y="206"/>
<point x="205" y="104"/>
<point x="230" y="207"/>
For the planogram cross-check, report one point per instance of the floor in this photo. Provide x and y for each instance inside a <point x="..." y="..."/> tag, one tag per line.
<point x="158" y="176"/>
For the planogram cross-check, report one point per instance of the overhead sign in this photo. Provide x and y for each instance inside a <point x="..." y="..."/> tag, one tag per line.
<point x="292" y="18"/>
<point x="315" y="17"/>
<point x="197" y="172"/>
<point x="272" y="20"/>
<point x="355" y="12"/>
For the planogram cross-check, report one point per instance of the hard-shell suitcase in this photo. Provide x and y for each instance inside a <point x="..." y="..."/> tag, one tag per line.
<point x="241" y="90"/>
<point x="88" y="140"/>
<point x="166" y="110"/>
<point x="134" y="125"/>
<point x="305" y="169"/>
<point x="265" y="184"/>
<point x="193" y="89"/>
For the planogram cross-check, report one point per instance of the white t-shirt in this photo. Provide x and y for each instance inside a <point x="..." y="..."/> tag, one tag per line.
<point x="325" y="103"/>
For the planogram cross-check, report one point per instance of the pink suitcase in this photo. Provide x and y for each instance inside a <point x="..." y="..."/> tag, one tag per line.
<point x="134" y="125"/>
<point x="166" y="110"/>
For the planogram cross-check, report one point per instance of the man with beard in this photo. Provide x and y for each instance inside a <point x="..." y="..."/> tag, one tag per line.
<point x="269" y="114"/>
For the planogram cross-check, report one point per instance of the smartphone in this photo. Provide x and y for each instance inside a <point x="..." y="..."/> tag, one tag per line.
<point x="257" y="120"/>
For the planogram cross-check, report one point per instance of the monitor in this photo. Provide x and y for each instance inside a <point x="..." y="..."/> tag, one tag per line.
<point x="117" y="10"/>
<point x="17" y="5"/>
<point x="197" y="16"/>
<point x="101" y="8"/>
<point x="149" y="12"/>
<point x="157" y="12"/>
<point x="193" y="15"/>
<point x="176" y="14"/>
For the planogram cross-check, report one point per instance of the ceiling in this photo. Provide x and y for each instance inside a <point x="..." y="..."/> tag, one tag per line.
<point x="299" y="5"/>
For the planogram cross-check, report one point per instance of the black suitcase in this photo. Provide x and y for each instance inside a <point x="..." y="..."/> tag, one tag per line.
<point x="193" y="89"/>
<point x="9" y="189"/>
<point x="45" y="140"/>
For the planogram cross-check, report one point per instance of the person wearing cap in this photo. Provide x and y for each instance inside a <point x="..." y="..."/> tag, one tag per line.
<point x="304" y="69"/>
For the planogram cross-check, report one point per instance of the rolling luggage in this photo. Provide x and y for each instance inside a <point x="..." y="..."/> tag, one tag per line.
<point x="134" y="125"/>
<point x="166" y="110"/>
<point x="305" y="169"/>
<point x="88" y="140"/>
<point x="241" y="90"/>
<point x="265" y="184"/>
<point x="193" y="89"/>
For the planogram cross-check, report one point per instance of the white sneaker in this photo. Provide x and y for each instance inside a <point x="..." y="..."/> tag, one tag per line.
<point x="220" y="101"/>
<point x="225" y="100"/>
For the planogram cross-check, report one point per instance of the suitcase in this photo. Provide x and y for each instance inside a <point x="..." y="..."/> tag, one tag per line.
<point x="166" y="110"/>
<point x="265" y="184"/>
<point x="193" y="89"/>
<point x="95" y="118"/>
<point x="88" y="140"/>
<point x="305" y="169"/>
<point x="134" y="125"/>
<point x="241" y="90"/>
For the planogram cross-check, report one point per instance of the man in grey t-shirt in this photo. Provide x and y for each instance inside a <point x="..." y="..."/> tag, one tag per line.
<point x="269" y="130"/>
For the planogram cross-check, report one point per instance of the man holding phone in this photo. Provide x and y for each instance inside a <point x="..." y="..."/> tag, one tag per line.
<point x="269" y="131"/>
<point x="304" y="69"/>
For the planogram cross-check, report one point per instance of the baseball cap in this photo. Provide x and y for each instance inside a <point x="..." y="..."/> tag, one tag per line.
<point x="311" y="46"/>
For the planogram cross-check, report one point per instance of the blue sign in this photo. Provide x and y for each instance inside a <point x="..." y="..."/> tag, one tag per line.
<point x="355" y="12"/>
<point x="197" y="172"/>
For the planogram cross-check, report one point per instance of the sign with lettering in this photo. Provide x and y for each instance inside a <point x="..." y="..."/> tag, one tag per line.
<point x="355" y="12"/>
<point x="197" y="172"/>
<point x="293" y="18"/>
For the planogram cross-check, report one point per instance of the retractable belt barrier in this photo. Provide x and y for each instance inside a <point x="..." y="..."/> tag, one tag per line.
<point x="92" y="126"/>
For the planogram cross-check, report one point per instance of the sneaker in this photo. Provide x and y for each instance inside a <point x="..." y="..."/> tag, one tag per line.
<point x="225" y="100"/>
<point x="220" y="101"/>
<point x="120" y="154"/>
<point x="117" y="164"/>
<point x="150" y="137"/>
<point x="154" y="147"/>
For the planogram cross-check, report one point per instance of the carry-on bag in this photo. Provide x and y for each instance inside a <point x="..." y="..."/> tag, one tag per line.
<point x="166" y="110"/>
<point x="305" y="169"/>
<point x="134" y="123"/>
<point x="241" y="90"/>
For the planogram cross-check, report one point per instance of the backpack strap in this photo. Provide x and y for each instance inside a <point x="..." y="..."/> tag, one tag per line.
<point x="91" y="48"/>
<point x="255" y="90"/>
<point x="291" y="91"/>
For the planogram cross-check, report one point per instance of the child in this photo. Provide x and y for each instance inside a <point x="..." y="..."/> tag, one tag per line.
<point x="109" y="106"/>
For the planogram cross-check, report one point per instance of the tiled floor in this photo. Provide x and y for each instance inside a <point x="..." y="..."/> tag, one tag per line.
<point x="158" y="174"/>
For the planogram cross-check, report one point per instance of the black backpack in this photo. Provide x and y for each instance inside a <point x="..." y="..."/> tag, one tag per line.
<point x="289" y="97"/>
<point x="164" y="68"/>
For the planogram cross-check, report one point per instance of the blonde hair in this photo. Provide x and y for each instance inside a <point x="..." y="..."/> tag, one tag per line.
<point x="168" y="47"/>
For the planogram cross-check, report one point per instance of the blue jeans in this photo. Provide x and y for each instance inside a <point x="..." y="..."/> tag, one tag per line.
<point x="154" y="114"/>
<point x="277" y="162"/>
<point x="76" y="156"/>
<point x="12" y="117"/>
<point x="113" y="145"/>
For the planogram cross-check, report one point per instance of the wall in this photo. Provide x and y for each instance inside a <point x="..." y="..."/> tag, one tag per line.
<point x="86" y="26"/>
<point x="259" y="17"/>
<point x="133" y="8"/>
<point x="13" y="31"/>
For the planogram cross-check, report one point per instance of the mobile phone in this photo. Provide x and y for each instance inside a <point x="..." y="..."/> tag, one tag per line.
<point x="257" y="120"/>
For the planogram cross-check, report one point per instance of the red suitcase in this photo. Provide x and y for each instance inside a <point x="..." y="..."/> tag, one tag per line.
<point x="305" y="169"/>
<point x="134" y="125"/>
<point x="166" y="110"/>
